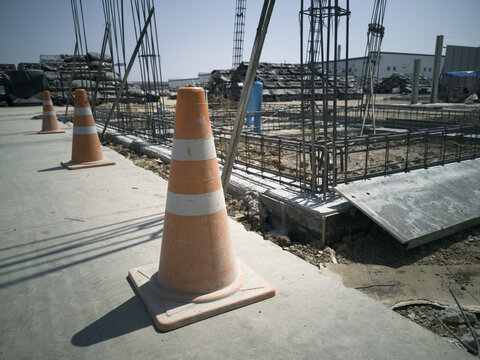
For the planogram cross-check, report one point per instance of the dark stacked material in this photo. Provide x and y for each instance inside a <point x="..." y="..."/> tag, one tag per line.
<point x="86" y="75"/>
<point x="26" y="85"/>
<point x="281" y="82"/>
<point x="402" y="84"/>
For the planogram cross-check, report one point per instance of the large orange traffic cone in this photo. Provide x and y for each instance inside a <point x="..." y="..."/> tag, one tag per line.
<point x="49" y="121"/>
<point x="86" y="148"/>
<point x="198" y="275"/>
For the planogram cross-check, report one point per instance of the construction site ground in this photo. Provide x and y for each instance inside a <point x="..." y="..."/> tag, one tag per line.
<point x="415" y="283"/>
<point x="68" y="239"/>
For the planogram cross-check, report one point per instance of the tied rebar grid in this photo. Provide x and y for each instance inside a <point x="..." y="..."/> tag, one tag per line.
<point x="421" y="139"/>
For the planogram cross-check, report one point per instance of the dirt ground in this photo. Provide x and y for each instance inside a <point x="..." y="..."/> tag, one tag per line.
<point x="372" y="246"/>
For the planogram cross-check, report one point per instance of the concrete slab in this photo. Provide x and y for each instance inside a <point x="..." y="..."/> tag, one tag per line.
<point x="68" y="239"/>
<point x="424" y="283"/>
<point x="422" y="205"/>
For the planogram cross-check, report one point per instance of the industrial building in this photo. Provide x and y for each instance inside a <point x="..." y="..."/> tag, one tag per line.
<point x="461" y="73"/>
<point x="390" y="63"/>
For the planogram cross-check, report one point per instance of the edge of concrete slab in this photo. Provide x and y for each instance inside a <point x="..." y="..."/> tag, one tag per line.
<point x="288" y="205"/>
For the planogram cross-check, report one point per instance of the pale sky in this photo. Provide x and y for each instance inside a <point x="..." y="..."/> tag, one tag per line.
<point x="196" y="36"/>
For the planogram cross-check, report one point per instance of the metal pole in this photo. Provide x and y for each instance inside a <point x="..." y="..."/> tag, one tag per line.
<point x="436" y="69"/>
<point x="334" y="134"/>
<point x="302" y="98"/>
<point x="71" y="80"/>
<point x="125" y="76"/>
<point x="415" y="75"/>
<point x="99" y="72"/>
<point x="313" y="157"/>
<point x="247" y="88"/>
<point x="347" y="36"/>
<point x="325" y="101"/>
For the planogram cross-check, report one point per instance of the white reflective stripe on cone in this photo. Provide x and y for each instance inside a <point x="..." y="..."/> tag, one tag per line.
<point x="193" y="150"/>
<point x="48" y="113"/>
<point x="82" y="111"/>
<point x="84" y="130"/>
<point x="47" y="103"/>
<point x="195" y="205"/>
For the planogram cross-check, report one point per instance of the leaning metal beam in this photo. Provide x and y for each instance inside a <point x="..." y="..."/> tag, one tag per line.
<point x="100" y="64"/>
<point x="247" y="88"/>
<point x="69" y="96"/>
<point x="129" y="67"/>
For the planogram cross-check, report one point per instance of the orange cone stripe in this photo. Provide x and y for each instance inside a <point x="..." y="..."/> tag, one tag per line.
<point x="49" y="113"/>
<point x="197" y="267"/>
<point x="194" y="177"/>
<point x="90" y="149"/>
<point x="83" y="121"/>
<point x="49" y="102"/>
<point x="191" y="118"/>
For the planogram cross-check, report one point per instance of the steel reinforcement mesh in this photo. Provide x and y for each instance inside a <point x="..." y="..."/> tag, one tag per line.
<point x="405" y="139"/>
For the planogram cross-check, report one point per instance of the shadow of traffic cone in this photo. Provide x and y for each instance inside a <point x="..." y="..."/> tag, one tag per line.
<point x="49" y="120"/>
<point x="198" y="275"/>
<point x="86" y="148"/>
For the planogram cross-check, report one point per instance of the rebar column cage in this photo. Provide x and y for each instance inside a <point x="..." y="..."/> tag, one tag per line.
<point x="145" y="97"/>
<point x="318" y="86"/>
<point x="238" y="32"/>
<point x="371" y="63"/>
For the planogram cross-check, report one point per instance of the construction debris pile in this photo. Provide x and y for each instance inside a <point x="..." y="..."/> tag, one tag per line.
<point x="281" y="82"/>
<point x="26" y="85"/>
<point x="402" y="84"/>
<point x="89" y="72"/>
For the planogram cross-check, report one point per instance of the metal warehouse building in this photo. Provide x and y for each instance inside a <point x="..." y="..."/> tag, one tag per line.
<point x="390" y="63"/>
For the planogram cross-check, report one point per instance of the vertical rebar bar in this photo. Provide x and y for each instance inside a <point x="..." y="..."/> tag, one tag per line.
<point x="313" y="160"/>
<point x="347" y="36"/>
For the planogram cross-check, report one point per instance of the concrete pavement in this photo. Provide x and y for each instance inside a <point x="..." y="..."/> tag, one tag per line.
<point x="68" y="239"/>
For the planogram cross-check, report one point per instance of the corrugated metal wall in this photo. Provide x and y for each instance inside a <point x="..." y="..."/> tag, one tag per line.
<point x="459" y="58"/>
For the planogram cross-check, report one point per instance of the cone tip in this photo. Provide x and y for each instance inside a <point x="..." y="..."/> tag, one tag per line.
<point x="81" y="99"/>
<point x="191" y="89"/>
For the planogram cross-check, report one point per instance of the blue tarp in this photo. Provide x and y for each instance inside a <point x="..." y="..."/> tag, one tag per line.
<point x="464" y="73"/>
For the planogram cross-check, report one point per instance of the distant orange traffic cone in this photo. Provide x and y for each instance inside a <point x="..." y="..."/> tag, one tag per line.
<point x="197" y="265"/>
<point x="49" y="122"/>
<point x="86" y="148"/>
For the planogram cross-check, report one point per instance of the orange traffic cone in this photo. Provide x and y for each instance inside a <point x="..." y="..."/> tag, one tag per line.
<point x="86" y="148"/>
<point x="49" y="122"/>
<point x="198" y="276"/>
